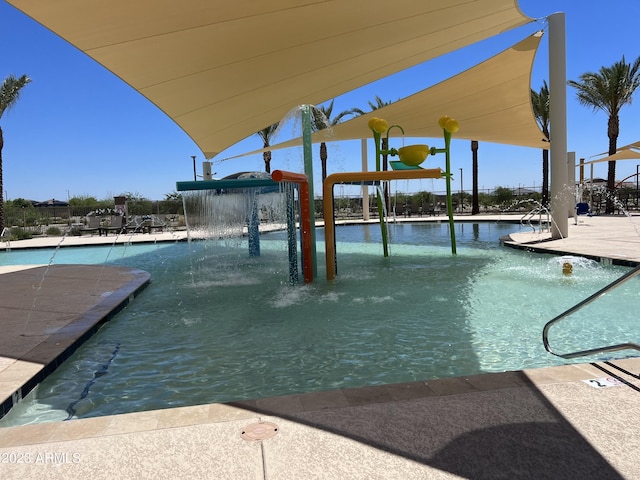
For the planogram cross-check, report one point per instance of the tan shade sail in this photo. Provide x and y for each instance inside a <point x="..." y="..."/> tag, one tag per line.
<point x="491" y="101"/>
<point x="623" y="153"/>
<point x="635" y="145"/>
<point x="224" y="70"/>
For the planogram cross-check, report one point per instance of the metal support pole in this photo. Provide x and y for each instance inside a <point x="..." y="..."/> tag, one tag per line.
<point x="558" y="121"/>
<point x="365" y="188"/>
<point x="461" y="194"/>
<point x="637" y="173"/>
<point x="573" y="199"/>
<point x="308" y="170"/>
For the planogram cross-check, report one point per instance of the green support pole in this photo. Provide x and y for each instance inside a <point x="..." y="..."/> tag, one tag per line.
<point x="379" y="198"/>
<point x="452" y="229"/>
<point x="308" y="170"/>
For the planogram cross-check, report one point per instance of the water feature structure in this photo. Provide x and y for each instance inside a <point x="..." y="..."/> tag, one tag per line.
<point x="307" y="240"/>
<point x="408" y="168"/>
<point x="445" y="319"/>
<point x="207" y="206"/>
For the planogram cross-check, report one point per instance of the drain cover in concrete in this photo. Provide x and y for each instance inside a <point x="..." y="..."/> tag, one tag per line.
<point x="259" y="431"/>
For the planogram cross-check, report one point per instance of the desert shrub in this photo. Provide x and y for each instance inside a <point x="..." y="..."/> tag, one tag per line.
<point x="18" y="233"/>
<point x="54" y="232"/>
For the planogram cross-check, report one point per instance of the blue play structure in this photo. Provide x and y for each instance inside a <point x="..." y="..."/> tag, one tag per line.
<point x="252" y="185"/>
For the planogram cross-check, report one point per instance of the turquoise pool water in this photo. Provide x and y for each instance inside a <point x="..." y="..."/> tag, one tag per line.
<point x="217" y="326"/>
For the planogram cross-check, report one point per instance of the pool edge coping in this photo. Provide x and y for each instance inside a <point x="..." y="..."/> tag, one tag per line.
<point x="282" y="406"/>
<point x="87" y="323"/>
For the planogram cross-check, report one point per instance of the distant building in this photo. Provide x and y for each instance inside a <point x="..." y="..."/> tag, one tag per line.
<point x="522" y="192"/>
<point x="50" y="203"/>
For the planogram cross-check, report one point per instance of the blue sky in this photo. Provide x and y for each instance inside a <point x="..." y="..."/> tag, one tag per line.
<point x="78" y="130"/>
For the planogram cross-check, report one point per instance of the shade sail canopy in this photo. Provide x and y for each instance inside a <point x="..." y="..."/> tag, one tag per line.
<point x="225" y="70"/>
<point x="635" y="145"/>
<point x="623" y="153"/>
<point x="491" y="101"/>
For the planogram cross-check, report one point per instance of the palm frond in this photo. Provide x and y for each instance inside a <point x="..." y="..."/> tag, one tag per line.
<point x="266" y="134"/>
<point x="10" y="91"/>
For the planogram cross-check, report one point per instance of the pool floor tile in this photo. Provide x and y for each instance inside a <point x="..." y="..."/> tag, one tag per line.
<point x="27" y="434"/>
<point x="562" y="373"/>
<point x="132" y="422"/>
<point x="367" y="395"/>
<point x="323" y="400"/>
<point x="450" y="386"/>
<point x="409" y="390"/>
<point x="80" y="428"/>
<point x="280" y="405"/>
<point x="220" y="412"/>
<point x="183" y="416"/>
<point x="496" y="381"/>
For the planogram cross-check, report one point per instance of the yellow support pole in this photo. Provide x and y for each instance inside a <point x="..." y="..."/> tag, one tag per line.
<point x="354" y="177"/>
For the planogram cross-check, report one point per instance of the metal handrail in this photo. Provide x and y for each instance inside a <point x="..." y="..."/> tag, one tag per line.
<point x="582" y="353"/>
<point x="7" y="241"/>
<point x="528" y="217"/>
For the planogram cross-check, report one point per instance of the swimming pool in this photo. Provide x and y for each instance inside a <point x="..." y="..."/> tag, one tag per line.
<point x="217" y="326"/>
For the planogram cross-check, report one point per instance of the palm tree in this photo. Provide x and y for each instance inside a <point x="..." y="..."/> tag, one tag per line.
<point x="540" y="104"/>
<point x="375" y="105"/>
<point x="379" y="103"/>
<point x="322" y="119"/>
<point x="9" y="94"/>
<point x="266" y="134"/>
<point x="475" y="201"/>
<point x="609" y="90"/>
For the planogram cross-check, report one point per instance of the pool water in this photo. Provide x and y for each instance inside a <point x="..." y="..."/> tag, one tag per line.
<point x="217" y="326"/>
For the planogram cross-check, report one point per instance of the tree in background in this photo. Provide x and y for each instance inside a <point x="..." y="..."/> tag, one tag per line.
<point x="266" y="134"/>
<point x="475" y="202"/>
<point x="503" y="196"/>
<point x="540" y="104"/>
<point x="322" y="119"/>
<point x="9" y="95"/>
<point x="172" y="203"/>
<point x="20" y="212"/>
<point x="137" y="204"/>
<point x="84" y="201"/>
<point x="609" y="90"/>
<point x="377" y="104"/>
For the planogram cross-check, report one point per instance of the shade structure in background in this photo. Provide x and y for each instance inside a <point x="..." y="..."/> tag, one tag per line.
<point x="491" y="101"/>
<point x="225" y="70"/>
<point x="623" y="153"/>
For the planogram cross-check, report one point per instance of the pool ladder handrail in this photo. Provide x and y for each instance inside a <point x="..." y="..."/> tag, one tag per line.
<point x="529" y="216"/>
<point x="6" y="232"/>
<point x="582" y="353"/>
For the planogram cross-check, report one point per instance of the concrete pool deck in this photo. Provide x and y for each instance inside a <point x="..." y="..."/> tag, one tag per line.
<point x="556" y="423"/>
<point x="607" y="238"/>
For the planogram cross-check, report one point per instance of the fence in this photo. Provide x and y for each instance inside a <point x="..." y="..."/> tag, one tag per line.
<point x="434" y="203"/>
<point x="31" y="216"/>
